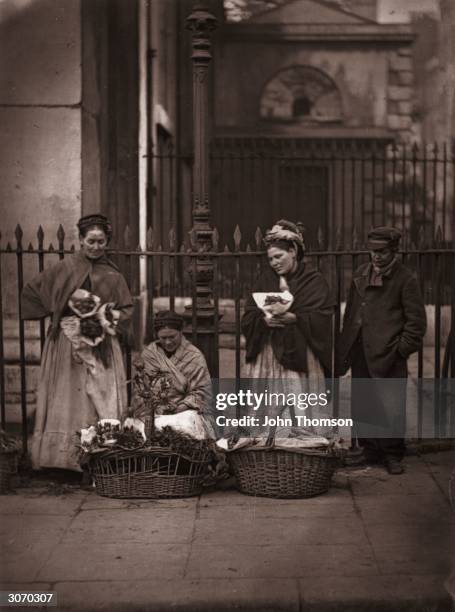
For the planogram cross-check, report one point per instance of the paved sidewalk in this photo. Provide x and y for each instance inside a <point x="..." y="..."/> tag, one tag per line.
<point x="373" y="542"/>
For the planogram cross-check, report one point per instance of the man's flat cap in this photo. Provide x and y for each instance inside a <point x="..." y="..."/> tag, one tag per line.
<point x="381" y="237"/>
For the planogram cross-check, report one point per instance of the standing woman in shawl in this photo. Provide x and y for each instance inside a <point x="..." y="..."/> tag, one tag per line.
<point x="295" y="346"/>
<point x="82" y="375"/>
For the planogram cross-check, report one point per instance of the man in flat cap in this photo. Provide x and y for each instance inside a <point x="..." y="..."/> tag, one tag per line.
<point x="384" y="323"/>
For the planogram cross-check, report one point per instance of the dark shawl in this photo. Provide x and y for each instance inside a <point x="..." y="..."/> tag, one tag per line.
<point x="48" y="293"/>
<point x="313" y="306"/>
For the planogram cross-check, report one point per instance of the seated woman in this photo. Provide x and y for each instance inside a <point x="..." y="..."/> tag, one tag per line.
<point x="173" y="355"/>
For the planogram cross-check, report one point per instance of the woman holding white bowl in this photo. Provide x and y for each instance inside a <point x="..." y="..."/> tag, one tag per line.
<point x="294" y="345"/>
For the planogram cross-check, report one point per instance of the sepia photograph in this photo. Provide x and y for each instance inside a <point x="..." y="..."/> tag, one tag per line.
<point x="227" y="305"/>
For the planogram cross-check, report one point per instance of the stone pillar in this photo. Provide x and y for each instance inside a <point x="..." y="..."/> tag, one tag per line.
<point x="201" y="23"/>
<point x="401" y="94"/>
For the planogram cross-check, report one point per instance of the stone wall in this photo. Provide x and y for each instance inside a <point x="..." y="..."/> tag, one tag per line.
<point x="401" y="93"/>
<point x="40" y="150"/>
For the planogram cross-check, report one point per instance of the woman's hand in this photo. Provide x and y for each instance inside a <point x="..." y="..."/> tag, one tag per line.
<point x="180" y="408"/>
<point x="273" y="322"/>
<point x="286" y="318"/>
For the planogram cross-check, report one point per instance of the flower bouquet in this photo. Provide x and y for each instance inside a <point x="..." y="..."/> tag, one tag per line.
<point x="273" y="302"/>
<point x="91" y="321"/>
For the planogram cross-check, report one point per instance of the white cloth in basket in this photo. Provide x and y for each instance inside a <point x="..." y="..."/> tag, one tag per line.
<point x="188" y="422"/>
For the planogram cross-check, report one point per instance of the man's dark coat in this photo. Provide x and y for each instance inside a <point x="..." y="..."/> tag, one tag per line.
<point x="392" y="319"/>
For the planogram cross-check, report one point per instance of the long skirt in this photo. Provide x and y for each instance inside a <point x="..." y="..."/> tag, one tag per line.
<point x="278" y="379"/>
<point x="74" y="393"/>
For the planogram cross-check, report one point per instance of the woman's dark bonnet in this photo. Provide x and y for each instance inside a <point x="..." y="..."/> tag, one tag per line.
<point x="94" y="221"/>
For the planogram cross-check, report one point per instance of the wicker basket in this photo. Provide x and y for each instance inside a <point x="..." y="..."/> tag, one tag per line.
<point x="273" y="472"/>
<point x="8" y="467"/>
<point x="154" y="472"/>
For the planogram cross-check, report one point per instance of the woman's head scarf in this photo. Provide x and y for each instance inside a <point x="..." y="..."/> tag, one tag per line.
<point x="285" y="234"/>
<point x="168" y="318"/>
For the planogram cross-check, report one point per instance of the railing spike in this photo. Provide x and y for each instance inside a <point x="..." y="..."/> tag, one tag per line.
<point x="72" y="248"/>
<point x="139" y="248"/>
<point x="248" y="248"/>
<point x="126" y="237"/>
<point x="60" y="234"/>
<point x="338" y="240"/>
<point x="172" y="239"/>
<point x="9" y="248"/>
<point x="40" y="236"/>
<point x="192" y="236"/>
<point x="19" y="234"/>
<point x="226" y="249"/>
<point x="258" y="238"/>
<point x="149" y="240"/>
<point x="30" y="247"/>
<point x="355" y="238"/>
<point x="421" y="237"/>
<point x="51" y="248"/>
<point x="237" y="237"/>
<point x="406" y="238"/>
<point x="182" y="248"/>
<point x="215" y="239"/>
<point x="438" y="236"/>
<point x="320" y="238"/>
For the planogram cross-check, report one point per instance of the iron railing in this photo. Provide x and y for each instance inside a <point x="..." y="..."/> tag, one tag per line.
<point x="234" y="271"/>
<point x="337" y="188"/>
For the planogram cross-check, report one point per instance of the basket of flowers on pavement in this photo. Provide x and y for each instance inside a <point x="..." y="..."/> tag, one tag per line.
<point x="148" y="455"/>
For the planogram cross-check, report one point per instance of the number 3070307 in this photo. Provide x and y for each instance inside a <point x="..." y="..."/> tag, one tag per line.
<point x="29" y="598"/>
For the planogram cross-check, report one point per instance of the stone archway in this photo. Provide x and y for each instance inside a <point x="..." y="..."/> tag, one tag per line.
<point x="301" y="94"/>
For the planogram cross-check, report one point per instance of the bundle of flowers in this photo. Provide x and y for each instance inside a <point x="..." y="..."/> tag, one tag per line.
<point x="273" y="302"/>
<point x="137" y="431"/>
<point x="110" y="433"/>
<point x="91" y="321"/>
<point x="151" y="392"/>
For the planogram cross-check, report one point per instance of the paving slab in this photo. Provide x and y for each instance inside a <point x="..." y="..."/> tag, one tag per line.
<point x="294" y="531"/>
<point x="429" y="534"/>
<point x="399" y="508"/>
<point x="151" y="525"/>
<point x="414" y="559"/>
<point x="374" y="593"/>
<point x="377" y="482"/>
<point x="40" y="502"/>
<point x="186" y="595"/>
<point x="33" y="527"/>
<point x="87" y="560"/>
<point x="280" y="561"/>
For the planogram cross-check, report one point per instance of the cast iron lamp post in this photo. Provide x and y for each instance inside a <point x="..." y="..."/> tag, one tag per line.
<point x="201" y="23"/>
